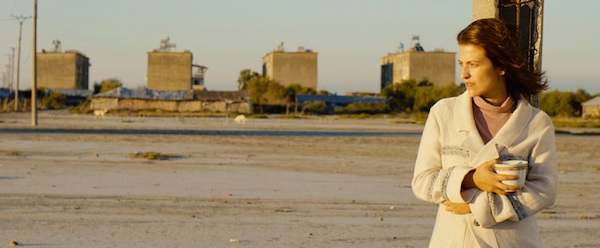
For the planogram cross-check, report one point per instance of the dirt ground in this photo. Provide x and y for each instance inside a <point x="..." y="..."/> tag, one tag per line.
<point x="73" y="181"/>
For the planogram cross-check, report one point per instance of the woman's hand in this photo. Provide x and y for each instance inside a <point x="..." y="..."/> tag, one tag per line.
<point x="457" y="208"/>
<point x="484" y="178"/>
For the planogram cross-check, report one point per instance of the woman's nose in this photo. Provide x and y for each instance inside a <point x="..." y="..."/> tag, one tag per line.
<point x="464" y="72"/>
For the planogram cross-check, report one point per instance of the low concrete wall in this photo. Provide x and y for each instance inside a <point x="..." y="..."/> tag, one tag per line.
<point x="172" y="106"/>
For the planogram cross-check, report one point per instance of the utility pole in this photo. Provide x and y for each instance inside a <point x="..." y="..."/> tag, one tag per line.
<point x="6" y="76"/>
<point x="21" y="19"/>
<point x="12" y="68"/>
<point x="34" y="79"/>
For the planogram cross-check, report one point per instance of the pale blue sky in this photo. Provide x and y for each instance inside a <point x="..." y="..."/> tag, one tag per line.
<point x="228" y="36"/>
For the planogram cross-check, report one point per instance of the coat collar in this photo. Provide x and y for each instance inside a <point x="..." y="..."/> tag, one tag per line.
<point x="516" y="124"/>
<point x="465" y="124"/>
<point x="506" y="136"/>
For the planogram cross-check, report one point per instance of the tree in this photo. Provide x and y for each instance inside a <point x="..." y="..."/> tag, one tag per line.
<point x="289" y="93"/>
<point x="292" y="91"/>
<point x="263" y="89"/>
<point x="411" y="96"/>
<point x="307" y="91"/>
<point x="245" y="77"/>
<point x="277" y="91"/>
<point x="315" y="107"/>
<point x="428" y="94"/>
<point x="581" y="96"/>
<point x="557" y="103"/>
<point x="258" y="87"/>
<point x="323" y="93"/>
<point x="107" y="85"/>
<point x="400" y="96"/>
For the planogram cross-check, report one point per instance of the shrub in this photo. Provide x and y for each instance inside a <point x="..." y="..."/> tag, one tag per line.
<point x="557" y="103"/>
<point x="410" y="96"/>
<point x="107" y="85"/>
<point x="54" y="101"/>
<point x="367" y="107"/>
<point x="314" y="107"/>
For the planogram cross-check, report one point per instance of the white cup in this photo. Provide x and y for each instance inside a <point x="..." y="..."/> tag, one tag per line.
<point x="513" y="167"/>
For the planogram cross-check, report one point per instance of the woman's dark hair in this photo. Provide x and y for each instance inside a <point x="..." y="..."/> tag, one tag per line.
<point x="501" y="46"/>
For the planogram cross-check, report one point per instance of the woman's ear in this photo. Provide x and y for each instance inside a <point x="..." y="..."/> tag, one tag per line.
<point x="501" y="72"/>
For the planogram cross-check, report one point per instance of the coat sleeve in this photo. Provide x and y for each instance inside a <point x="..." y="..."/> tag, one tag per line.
<point x="538" y="193"/>
<point x="433" y="182"/>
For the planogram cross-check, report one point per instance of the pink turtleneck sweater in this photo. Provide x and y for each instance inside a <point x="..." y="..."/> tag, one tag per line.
<point x="489" y="118"/>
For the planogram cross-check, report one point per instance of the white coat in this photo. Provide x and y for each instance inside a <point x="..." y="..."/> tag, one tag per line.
<point x="451" y="147"/>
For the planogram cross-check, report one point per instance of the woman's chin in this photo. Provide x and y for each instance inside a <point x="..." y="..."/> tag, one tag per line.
<point x="472" y="93"/>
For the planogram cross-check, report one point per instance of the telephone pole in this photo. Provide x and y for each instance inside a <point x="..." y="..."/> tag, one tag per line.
<point x="34" y="79"/>
<point x="11" y="75"/>
<point x="6" y="75"/>
<point x="20" y="19"/>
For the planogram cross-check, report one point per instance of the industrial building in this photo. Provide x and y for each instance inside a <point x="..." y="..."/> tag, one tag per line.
<point x="59" y="70"/>
<point x="591" y="108"/>
<point x="169" y="70"/>
<point x="287" y="68"/>
<point x="436" y="66"/>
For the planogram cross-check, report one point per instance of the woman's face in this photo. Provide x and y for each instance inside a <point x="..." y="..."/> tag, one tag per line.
<point x="480" y="75"/>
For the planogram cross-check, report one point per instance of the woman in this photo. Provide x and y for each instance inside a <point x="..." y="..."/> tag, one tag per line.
<point x="465" y="136"/>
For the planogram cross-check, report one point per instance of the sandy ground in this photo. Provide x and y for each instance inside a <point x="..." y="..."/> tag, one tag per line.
<point x="321" y="182"/>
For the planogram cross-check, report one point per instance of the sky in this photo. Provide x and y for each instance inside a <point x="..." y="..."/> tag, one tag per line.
<point x="227" y="36"/>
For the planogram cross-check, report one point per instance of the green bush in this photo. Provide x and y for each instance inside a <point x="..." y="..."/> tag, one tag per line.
<point x="557" y="103"/>
<point x="107" y="85"/>
<point x="54" y="101"/>
<point x="366" y="107"/>
<point x="314" y="107"/>
<point x="410" y="96"/>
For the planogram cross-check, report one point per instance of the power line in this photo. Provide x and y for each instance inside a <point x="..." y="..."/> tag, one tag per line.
<point x="20" y="19"/>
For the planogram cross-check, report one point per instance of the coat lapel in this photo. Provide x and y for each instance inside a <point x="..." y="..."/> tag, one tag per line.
<point x="516" y="124"/>
<point x="472" y="141"/>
